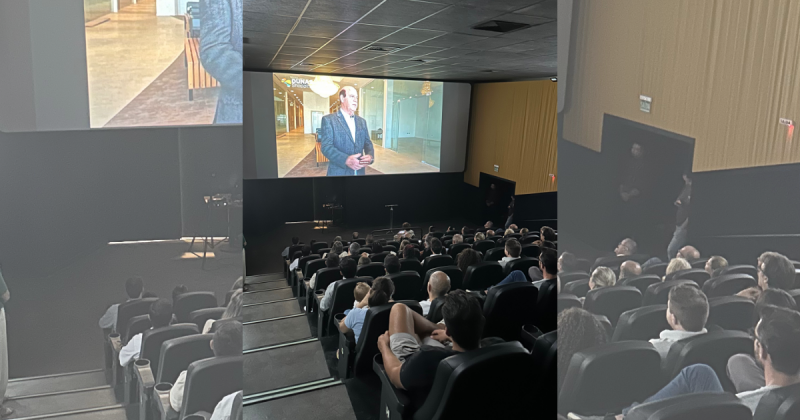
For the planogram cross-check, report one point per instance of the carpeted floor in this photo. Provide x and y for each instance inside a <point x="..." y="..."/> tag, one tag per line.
<point x="308" y="168"/>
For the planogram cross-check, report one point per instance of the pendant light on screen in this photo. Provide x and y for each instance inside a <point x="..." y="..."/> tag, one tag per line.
<point x="323" y="86"/>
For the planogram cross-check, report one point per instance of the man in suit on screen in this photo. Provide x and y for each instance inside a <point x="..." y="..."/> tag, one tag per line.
<point x="345" y="138"/>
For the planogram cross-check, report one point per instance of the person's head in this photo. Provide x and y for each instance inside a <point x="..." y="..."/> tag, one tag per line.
<point x="332" y="260"/>
<point x="513" y="248"/>
<point x="689" y="252"/>
<point x="578" y="330"/>
<point x="369" y="239"/>
<point x="360" y="291"/>
<point x="406" y="226"/>
<point x="337" y="238"/>
<point x="775" y="271"/>
<point x="488" y="224"/>
<point x="771" y="298"/>
<point x="404" y="243"/>
<point x="337" y="248"/>
<point x="411" y="252"/>
<point x="467" y="258"/>
<point x="463" y="319"/>
<point x="457" y="239"/>
<point x="687" y="308"/>
<point x="715" y="263"/>
<point x="306" y="251"/>
<point x="629" y="268"/>
<point x="364" y="260"/>
<point x="381" y="291"/>
<point x="348" y="97"/>
<point x="436" y="246"/>
<point x="508" y="231"/>
<point x="513" y="227"/>
<point x="227" y="340"/>
<point x="355" y="235"/>
<point x="524" y="231"/>
<point x="397" y="237"/>
<point x="160" y="313"/>
<point x="678" y="264"/>
<point x="602" y="277"/>
<point x="234" y="308"/>
<point x="687" y="176"/>
<point x="637" y="150"/>
<point x="546" y="233"/>
<point x="438" y="284"/>
<point x="479" y="236"/>
<point x="426" y="239"/>
<point x="134" y="287"/>
<point x="626" y="247"/>
<point x="548" y="262"/>
<point x="348" y="267"/>
<point x="464" y="230"/>
<point x="777" y="341"/>
<point x="567" y="262"/>
<point x="391" y="264"/>
<point x="376" y="248"/>
<point x="431" y="229"/>
<point x="489" y="233"/>
<point x="178" y="290"/>
<point x="295" y="240"/>
<point x="354" y="248"/>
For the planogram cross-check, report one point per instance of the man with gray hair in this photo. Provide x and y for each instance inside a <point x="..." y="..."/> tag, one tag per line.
<point x="353" y="251"/>
<point x="457" y="239"/>
<point x="438" y="286"/>
<point x="344" y="138"/>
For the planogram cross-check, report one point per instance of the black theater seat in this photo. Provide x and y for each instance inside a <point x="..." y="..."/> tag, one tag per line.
<point x="698" y="275"/>
<point x="713" y="348"/>
<point x="453" y="272"/>
<point x="407" y="285"/>
<point x="750" y="270"/>
<point x="731" y="312"/>
<point x="531" y="250"/>
<point x="607" y="378"/>
<point x="641" y="282"/>
<point x="658" y="293"/>
<point x="576" y="287"/>
<point x="641" y="324"/>
<point x="208" y="381"/>
<point x="456" y="249"/>
<point x="483" y="246"/>
<point x="728" y="284"/>
<point x="436" y="261"/>
<point x="312" y="267"/>
<point x="379" y="257"/>
<point x="411" y="265"/>
<point x="317" y="246"/>
<point x="507" y="308"/>
<point x="700" y="406"/>
<point x="545" y="366"/>
<point x="569" y="276"/>
<point x="136" y="325"/>
<point x="496" y="254"/>
<point x="192" y="301"/>
<point x="482" y="275"/>
<point x="200" y="316"/>
<point x="659" y="269"/>
<point x="779" y="404"/>
<point x="178" y="353"/>
<point x="390" y="248"/>
<point x="325" y="277"/>
<point x="301" y="263"/>
<point x="567" y="300"/>
<point x="342" y="299"/>
<point x="131" y="309"/>
<point x="521" y="264"/>
<point x="612" y="301"/>
<point x="546" y="315"/>
<point x="374" y="270"/>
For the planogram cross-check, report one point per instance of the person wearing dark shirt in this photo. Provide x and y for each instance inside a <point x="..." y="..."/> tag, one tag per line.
<point x="631" y="218"/>
<point x="682" y="219"/>
<point x="413" y="346"/>
<point x="510" y="219"/>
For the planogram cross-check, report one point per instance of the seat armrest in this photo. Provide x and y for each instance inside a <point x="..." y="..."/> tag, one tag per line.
<point x="161" y="403"/>
<point x="200" y="415"/>
<point x="393" y="400"/>
<point x="144" y="375"/>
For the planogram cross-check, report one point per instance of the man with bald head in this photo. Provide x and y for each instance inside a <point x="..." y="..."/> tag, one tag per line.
<point x="344" y="138"/>
<point x="629" y="269"/>
<point x="438" y="286"/>
<point x="689" y="253"/>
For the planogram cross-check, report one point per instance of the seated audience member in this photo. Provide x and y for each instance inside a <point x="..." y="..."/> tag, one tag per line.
<point x="467" y="258"/>
<point x="677" y="264"/>
<point x="403" y="245"/>
<point x="406" y="227"/>
<point x="438" y="286"/>
<point x="488" y="225"/>
<point x="227" y="341"/>
<point x="410" y="252"/>
<point x="330" y="262"/>
<point x="479" y="236"/>
<point x="133" y="288"/>
<point x="337" y="238"/>
<point x="687" y="313"/>
<point x="391" y="264"/>
<point x="233" y="310"/>
<point x="426" y="243"/>
<point x="513" y="251"/>
<point x="464" y="231"/>
<point x="347" y="266"/>
<point x="285" y="253"/>
<point x="376" y="247"/>
<point x="629" y="269"/>
<point x="370" y="239"/>
<point x="751" y="293"/>
<point x="523" y="231"/>
<point x="508" y="231"/>
<point x="177" y="291"/>
<point x="457" y="239"/>
<point x="359" y="292"/>
<point x="490" y="233"/>
<point x="355" y="235"/>
<point x="160" y="315"/>
<point x="414" y="346"/>
<point x="337" y="249"/>
<point x="379" y="294"/>
<point x="224" y="408"/>
<point x="744" y="371"/>
<point x="776" y="344"/>
<point x="306" y="251"/>
<point x="364" y="260"/>
<point x="545" y="271"/>
<point x="775" y="271"/>
<point x="436" y="247"/>
<point x="602" y="277"/>
<point x="625" y="248"/>
<point x="547" y="233"/>
<point x="715" y="263"/>
<point x="689" y="253"/>
<point x="567" y="262"/>
<point x="578" y="330"/>
<point x="352" y="251"/>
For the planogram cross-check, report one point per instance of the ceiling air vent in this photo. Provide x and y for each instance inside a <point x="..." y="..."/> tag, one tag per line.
<point x="382" y="48"/>
<point x="501" y="26"/>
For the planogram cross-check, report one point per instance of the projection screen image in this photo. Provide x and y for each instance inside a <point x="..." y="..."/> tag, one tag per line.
<point x="164" y="62"/>
<point x="348" y="126"/>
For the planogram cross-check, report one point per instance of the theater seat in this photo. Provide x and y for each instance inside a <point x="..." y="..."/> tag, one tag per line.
<point x="379" y="257"/>
<point x="317" y="246"/>
<point x="750" y="270"/>
<point x="395" y="244"/>
<point x="731" y="312"/>
<point x="482" y="275"/>
<point x="531" y="250"/>
<point x="178" y="353"/>
<point x="566" y="301"/>
<point x="361" y="241"/>
<point x="436" y="261"/>
<point x="713" y="348"/>
<point x="546" y="315"/>
<point x="200" y="316"/>
<point x="301" y="263"/>
<point x="407" y="285"/>
<point x="484" y="245"/>
<point x="131" y="309"/>
<point x="641" y="282"/>
<point x="437" y="234"/>
<point x="453" y="272"/>
<point x="545" y="367"/>
<point x="507" y="308"/>
<point x="700" y="406"/>
<point x="728" y="284"/>
<point x="363" y="250"/>
<point x="460" y="388"/>
<point x="569" y="276"/>
<point x="699" y="263"/>
<point x="411" y="264"/>
<point x="136" y="325"/>
<point x="521" y="264"/>
<point x="612" y="301"/>
<point x="150" y="351"/>
<point x="374" y="270"/>
<point x="607" y="378"/>
<point x="795" y="294"/>
<point x="325" y="277"/>
<point x="641" y="324"/>
<point x="342" y="299"/>
<point x="456" y="249"/>
<point x="658" y="293"/>
<point x="312" y="267"/>
<point x="390" y="248"/>
<point x="435" y="311"/>
<point x="208" y="381"/>
<point x="529" y="239"/>
<point x="578" y="288"/>
<point x="496" y="254"/>
<point x="779" y="404"/>
<point x="659" y="269"/>
<point x="698" y="275"/>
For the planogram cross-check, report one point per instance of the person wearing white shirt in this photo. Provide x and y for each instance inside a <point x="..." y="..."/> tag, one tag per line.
<point x="224" y="408"/>
<point x="134" y="288"/>
<point x="233" y="310"/>
<point x="160" y="315"/>
<point x="513" y="251"/>
<point x="227" y="341"/>
<point x="306" y="251"/>
<point x="687" y="313"/>
<point x="438" y="286"/>
<point x="332" y="261"/>
<point x="348" y="269"/>
<point x="285" y="253"/>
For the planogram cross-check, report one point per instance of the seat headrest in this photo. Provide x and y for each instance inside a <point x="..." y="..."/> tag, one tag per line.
<point x="779" y="404"/>
<point x="713" y="348"/>
<point x="699" y="406"/>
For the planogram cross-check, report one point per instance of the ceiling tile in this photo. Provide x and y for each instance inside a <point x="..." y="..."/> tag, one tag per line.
<point x="452" y="40"/>
<point x="460" y="19"/>
<point x="319" y="28"/>
<point x="403" y="12"/>
<point x="264" y="22"/>
<point x="411" y="36"/>
<point x="546" y="8"/>
<point x="370" y="33"/>
<point x="502" y="5"/>
<point x="345" y="11"/>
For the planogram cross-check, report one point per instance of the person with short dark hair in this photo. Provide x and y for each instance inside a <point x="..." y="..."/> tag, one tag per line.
<point x="227" y="342"/>
<point x="391" y="264"/>
<point x="285" y="253"/>
<point x="355" y="235"/>
<point x="379" y="294"/>
<point x="160" y="315"/>
<point x="513" y="251"/>
<point x="406" y="227"/>
<point x="364" y="260"/>
<point x="134" y="287"/>
<point x="715" y="263"/>
<point x="177" y="291"/>
<point x="687" y="313"/>
<point x="330" y="262"/>
<point x="436" y="246"/>
<point x="546" y="233"/>
<point x="348" y="268"/>
<point x="438" y="286"/>
<point x="306" y="251"/>
<point x="414" y="346"/>
<point x="370" y="239"/>
<point x="775" y="271"/>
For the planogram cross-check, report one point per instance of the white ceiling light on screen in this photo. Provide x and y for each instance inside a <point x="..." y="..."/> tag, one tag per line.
<point x="323" y="86"/>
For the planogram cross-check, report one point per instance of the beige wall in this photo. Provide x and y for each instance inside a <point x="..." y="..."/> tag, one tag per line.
<point x="720" y="71"/>
<point x="514" y="125"/>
